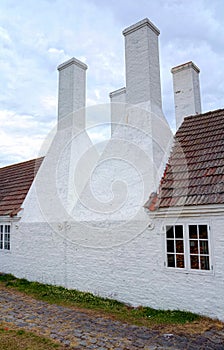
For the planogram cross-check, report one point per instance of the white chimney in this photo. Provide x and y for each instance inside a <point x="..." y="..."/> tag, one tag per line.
<point x="142" y="63"/>
<point x="117" y="107"/>
<point x="186" y="91"/>
<point x="72" y="90"/>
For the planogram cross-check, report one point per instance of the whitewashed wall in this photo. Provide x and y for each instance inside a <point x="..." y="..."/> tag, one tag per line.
<point x="132" y="272"/>
<point x="113" y="254"/>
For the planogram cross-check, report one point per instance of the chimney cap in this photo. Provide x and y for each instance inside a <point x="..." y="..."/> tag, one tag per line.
<point x="73" y="60"/>
<point x="117" y="92"/>
<point x="140" y="24"/>
<point x="186" y="65"/>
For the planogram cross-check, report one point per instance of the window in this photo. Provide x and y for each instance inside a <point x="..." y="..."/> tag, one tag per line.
<point x="199" y="247"/>
<point x="188" y="247"/>
<point x="5" y="237"/>
<point x="175" y="246"/>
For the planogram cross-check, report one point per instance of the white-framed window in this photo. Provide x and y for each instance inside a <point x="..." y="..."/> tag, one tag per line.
<point x="175" y="246"/>
<point x="199" y="247"/>
<point x="5" y="231"/>
<point x="187" y="247"/>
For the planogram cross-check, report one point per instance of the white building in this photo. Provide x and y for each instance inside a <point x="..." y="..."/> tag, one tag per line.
<point x="83" y="220"/>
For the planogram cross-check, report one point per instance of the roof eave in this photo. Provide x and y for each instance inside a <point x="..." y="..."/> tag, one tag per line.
<point x="7" y="218"/>
<point x="190" y="211"/>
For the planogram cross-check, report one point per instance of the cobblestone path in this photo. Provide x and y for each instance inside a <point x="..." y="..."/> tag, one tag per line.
<point x="80" y="329"/>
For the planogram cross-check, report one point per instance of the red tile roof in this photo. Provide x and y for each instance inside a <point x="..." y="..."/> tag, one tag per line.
<point x="15" y="182"/>
<point x="194" y="174"/>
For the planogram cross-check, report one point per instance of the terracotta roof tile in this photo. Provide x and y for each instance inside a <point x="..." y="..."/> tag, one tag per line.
<point x="195" y="172"/>
<point x="15" y="182"/>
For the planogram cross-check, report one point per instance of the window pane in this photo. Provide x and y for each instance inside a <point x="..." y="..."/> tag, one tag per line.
<point x="1" y="241"/>
<point x="204" y="247"/>
<point x="194" y="247"/>
<point x="169" y="232"/>
<point x="194" y="262"/>
<point x="170" y="246"/>
<point x="179" y="246"/>
<point x="203" y="234"/>
<point x="179" y="231"/>
<point x="170" y="260"/>
<point x="193" y="231"/>
<point x="7" y="241"/>
<point x="204" y="262"/>
<point x="180" y="260"/>
<point x="1" y="228"/>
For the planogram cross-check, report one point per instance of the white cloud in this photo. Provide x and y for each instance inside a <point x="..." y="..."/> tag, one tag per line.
<point x="4" y="35"/>
<point x="56" y="51"/>
<point x="35" y="37"/>
<point x="49" y="103"/>
<point x="21" y="136"/>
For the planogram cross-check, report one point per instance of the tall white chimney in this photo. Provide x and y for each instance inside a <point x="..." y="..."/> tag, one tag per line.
<point x="117" y="107"/>
<point x="142" y="63"/>
<point x="72" y="90"/>
<point x="186" y="91"/>
<point x="142" y="119"/>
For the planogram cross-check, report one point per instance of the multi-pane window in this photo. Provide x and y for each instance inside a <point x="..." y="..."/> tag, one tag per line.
<point x="5" y="237"/>
<point x="199" y="247"/>
<point x="188" y="248"/>
<point x="1" y="236"/>
<point x="175" y="246"/>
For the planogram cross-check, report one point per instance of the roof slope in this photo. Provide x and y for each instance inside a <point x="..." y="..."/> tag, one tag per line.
<point x="194" y="174"/>
<point x="15" y="182"/>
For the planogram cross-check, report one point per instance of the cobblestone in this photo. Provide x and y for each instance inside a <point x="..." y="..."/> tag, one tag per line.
<point x="85" y="330"/>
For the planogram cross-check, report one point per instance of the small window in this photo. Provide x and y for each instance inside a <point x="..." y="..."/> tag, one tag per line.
<point x="199" y="247"/>
<point x="5" y="237"/>
<point x="196" y="256"/>
<point x="1" y="236"/>
<point x="175" y="246"/>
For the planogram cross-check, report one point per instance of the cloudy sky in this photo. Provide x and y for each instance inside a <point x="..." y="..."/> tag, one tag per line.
<point x="36" y="36"/>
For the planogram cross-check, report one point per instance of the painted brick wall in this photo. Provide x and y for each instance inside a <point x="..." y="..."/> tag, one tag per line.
<point x="142" y="64"/>
<point x="72" y="90"/>
<point x="186" y="91"/>
<point x="133" y="271"/>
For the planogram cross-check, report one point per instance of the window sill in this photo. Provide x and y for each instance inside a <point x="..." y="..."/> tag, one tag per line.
<point x="189" y="272"/>
<point x="3" y="251"/>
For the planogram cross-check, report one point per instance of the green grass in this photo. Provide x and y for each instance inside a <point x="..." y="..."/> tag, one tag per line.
<point x="11" y="339"/>
<point x="59" y="295"/>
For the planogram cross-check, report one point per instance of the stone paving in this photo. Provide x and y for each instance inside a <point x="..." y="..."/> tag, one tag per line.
<point x="82" y="329"/>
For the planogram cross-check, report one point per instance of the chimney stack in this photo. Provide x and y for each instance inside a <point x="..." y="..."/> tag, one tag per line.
<point x="117" y="106"/>
<point x="72" y="90"/>
<point x="186" y="91"/>
<point x="142" y="63"/>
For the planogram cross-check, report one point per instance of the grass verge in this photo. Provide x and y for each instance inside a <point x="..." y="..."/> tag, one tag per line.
<point x="11" y="339"/>
<point x="59" y="295"/>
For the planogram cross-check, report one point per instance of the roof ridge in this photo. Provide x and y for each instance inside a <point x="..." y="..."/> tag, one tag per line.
<point x="203" y="114"/>
<point x="26" y="161"/>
